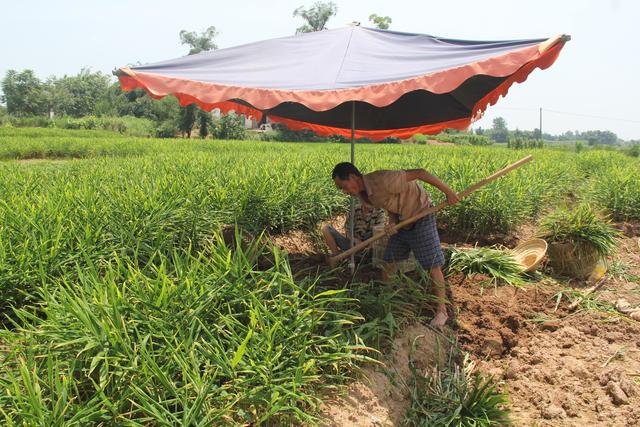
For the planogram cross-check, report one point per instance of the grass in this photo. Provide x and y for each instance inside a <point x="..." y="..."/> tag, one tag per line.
<point x="387" y="308"/>
<point x="499" y="266"/>
<point x="581" y="225"/>
<point x="611" y="183"/>
<point x="133" y="197"/>
<point x="193" y="340"/>
<point x="588" y="302"/>
<point x="55" y="216"/>
<point x="455" y="395"/>
<point x="618" y="191"/>
<point x="621" y="270"/>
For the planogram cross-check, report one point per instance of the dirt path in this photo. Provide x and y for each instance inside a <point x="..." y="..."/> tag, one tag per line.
<point x="381" y="396"/>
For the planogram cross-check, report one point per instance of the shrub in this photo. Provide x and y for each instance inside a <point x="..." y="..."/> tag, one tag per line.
<point x="31" y="122"/>
<point x="633" y="151"/>
<point x="230" y="126"/>
<point x="270" y="135"/>
<point x="126" y="125"/>
<point x="167" y="129"/>
<point x="338" y="138"/>
<point x="304" y="135"/>
<point x="419" y="138"/>
<point x="519" y="143"/>
<point x="391" y="140"/>
<point x="464" y="139"/>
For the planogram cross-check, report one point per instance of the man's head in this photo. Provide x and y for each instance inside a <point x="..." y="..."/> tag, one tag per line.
<point x="347" y="178"/>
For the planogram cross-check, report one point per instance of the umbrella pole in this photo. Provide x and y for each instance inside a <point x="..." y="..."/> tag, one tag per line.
<point x="352" y="262"/>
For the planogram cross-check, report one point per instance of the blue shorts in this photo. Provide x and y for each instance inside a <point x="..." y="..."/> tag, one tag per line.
<point x="422" y="239"/>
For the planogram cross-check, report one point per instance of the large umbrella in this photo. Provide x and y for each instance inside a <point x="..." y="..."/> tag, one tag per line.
<point x="399" y="83"/>
<point x="356" y="82"/>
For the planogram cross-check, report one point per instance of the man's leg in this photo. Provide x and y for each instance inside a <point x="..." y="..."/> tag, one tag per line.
<point x="329" y="240"/>
<point x="388" y="271"/>
<point x="425" y="244"/>
<point x="439" y="291"/>
<point x="396" y="250"/>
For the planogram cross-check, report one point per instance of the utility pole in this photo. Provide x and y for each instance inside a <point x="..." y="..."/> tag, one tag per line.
<point x="540" y="123"/>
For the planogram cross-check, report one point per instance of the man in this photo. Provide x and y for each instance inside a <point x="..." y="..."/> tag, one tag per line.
<point x="402" y="197"/>
<point x="365" y="219"/>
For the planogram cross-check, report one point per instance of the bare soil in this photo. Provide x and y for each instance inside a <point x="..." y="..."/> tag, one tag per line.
<point x="560" y="368"/>
<point x="381" y="396"/>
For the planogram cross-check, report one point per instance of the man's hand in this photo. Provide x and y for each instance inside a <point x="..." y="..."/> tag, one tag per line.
<point x="452" y="198"/>
<point x="389" y="231"/>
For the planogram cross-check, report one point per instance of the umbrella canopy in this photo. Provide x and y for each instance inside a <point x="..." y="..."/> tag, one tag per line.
<point x="401" y="83"/>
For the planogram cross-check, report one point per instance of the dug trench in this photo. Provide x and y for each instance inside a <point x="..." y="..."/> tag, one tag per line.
<point x="559" y="367"/>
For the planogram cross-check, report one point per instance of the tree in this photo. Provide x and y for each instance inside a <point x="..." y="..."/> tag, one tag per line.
<point x="381" y="22"/>
<point x="594" y="137"/>
<point x="316" y="16"/>
<point x="187" y="119"/>
<point x="78" y="96"/>
<point x="568" y="135"/>
<point x="230" y="126"/>
<point x="199" y="43"/>
<point x="204" y="122"/>
<point x="24" y="94"/>
<point x="499" y="131"/>
<point x="137" y="103"/>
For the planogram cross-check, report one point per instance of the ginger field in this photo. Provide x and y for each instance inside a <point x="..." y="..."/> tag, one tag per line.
<point x="126" y="302"/>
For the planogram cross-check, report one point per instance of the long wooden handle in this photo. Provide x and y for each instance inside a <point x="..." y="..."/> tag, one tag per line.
<point x="334" y="260"/>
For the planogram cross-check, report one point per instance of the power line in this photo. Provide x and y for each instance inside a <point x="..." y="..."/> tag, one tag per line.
<point x="568" y="113"/>
<point x="514" y="108"/>
<point x="592" y="116"/>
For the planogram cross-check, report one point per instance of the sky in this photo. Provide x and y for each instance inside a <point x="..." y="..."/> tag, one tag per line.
<point x="592" y="85"/>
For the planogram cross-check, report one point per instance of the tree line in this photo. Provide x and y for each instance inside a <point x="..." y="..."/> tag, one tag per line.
<point x="500" y="133"/>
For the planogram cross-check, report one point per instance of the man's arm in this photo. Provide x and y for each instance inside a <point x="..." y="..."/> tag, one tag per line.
<point x="423" y="175"/>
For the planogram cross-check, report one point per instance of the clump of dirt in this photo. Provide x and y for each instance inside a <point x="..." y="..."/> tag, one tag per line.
<point x="629" y="229"/>
<point x="294" y="242"/>
<point x="381" y="397"/>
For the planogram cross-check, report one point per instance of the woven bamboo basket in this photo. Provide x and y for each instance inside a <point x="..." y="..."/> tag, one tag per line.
<point x="573" y="259"/>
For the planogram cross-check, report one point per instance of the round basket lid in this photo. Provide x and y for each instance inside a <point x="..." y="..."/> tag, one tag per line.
<point x="530" y="253"/>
